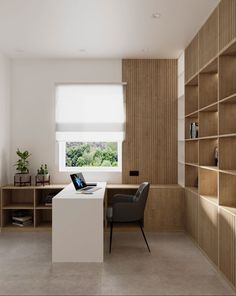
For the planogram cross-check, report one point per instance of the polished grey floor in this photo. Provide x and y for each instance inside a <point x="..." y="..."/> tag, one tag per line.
<point x="175" y="267"/>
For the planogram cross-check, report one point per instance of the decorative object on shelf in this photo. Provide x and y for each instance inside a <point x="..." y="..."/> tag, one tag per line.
<point x="47" y="200"/>
<point x="193" y="130"/>
<point x="22" y="178"/>
<point x="42" y="176"/>
<point x="216" y="153"/>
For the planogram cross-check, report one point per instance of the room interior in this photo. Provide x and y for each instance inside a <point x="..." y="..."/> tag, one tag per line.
<point x="125" y="92"/>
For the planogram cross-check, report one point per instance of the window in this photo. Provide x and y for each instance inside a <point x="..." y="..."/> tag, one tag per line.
<point x="90" y="121"/>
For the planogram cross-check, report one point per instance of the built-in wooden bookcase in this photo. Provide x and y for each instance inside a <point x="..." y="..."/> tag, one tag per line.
<point x="211" y="101"/>
<point x="30" y="199"/>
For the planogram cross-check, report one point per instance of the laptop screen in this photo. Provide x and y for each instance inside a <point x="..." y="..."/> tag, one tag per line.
<point x="78" y="181"/>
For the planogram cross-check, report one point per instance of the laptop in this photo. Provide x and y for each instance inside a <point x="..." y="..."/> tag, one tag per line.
<point x="81" y="185"/>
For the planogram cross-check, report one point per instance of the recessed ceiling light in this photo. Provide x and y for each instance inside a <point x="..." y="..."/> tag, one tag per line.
<point x="156" y="15"/>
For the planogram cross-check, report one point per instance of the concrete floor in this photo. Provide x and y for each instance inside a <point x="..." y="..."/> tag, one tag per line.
<point x="175" y="267"/>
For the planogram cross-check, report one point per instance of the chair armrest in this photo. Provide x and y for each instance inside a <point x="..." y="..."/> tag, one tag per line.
<point x="124" y="198"/>
<point x="126" y="212"/>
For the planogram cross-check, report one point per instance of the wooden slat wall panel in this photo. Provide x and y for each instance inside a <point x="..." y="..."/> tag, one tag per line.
<point x="227" y="22"/>
<point x="165" y="210"/>
<point x="151" y="121"/>
<point x="208" y="39"/>
<point x="227" y="244"/>
<point x="191" y="59"/>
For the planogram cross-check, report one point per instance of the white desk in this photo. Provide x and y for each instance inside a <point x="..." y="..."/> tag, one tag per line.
<point x="77" y="225"/>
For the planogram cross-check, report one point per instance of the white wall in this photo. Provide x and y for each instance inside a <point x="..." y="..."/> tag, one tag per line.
<point x="4" y="119"/>
<point x="33" y="113"/>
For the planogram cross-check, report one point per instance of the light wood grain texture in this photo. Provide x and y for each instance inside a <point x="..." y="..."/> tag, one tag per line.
<point x="208" y="89"/>
<point x="150" y="145"/>
<point x="227" y="190"/>
<point x="227" y="22"/>
<point x="207" y="152"/>
<point x="227" y="244"/>
<point x="191" y="152"/>
<point x="208" y="39"/>
<point x="227" y="76"/>
<point x="191" y="213"/>
<point x="191" y="59"/>
<point x="208" y="182"/>
<point x="227" y="149"/>
<point x="165" y="210"/>
<point x="227" y="115"/>
<point x="208" y="123"/>
<point x="191" y="176"/>
<point x="208" y="229"/>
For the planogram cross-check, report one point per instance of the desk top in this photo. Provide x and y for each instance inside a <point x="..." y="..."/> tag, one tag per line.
<point x="69" y="192"/>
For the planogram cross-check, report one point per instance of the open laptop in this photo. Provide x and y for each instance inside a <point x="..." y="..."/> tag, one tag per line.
<point x="81" y="185"/>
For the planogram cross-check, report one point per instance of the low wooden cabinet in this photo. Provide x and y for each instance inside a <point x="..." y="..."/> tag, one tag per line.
<point x="30" y="199"/>
<point x="191" y="213"/>
<point x="227" y="233"/>
<point x="208" y="228"/>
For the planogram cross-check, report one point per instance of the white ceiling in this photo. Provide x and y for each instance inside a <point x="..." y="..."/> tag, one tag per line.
<point x="100" y="28"/>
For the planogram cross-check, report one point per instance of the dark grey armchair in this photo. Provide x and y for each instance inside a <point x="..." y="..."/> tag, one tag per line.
<point x="128" y="208"/>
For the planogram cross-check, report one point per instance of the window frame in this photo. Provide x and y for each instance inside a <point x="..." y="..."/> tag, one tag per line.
<point x="64" y="168"/>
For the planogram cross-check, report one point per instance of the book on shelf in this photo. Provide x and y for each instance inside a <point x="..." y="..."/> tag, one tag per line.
<point x="21" y="224"/>
<point x="22" y="219"/>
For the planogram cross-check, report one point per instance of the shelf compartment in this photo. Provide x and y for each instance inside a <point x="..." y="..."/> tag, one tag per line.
<point x="227" y="72"/>
<point x="207" y="152"/>
<point x="191" y="176"/>
<point x="208" y="85"/>
<point x="191" y="96"/>
<point x="227" y="115"/>
<point x="7" y="219"/>
<point x="188" y="121"/>
<point x="43" y="218"/>
<point x="208" y="121"/>
<point x="41" y="196"/>
<point x="208" y="183"/>
<point x="191" y="152"/>
<point x="227" y="190"/>
<point x="17" y="198"/>
<point x="227" y="150"/>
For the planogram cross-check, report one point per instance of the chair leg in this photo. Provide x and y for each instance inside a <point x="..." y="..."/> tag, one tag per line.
<point x="111" y="229"/>
<point x="140" y="225"/>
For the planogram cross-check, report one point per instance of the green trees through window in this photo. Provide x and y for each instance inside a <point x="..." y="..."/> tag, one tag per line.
<point x="91" y="154"/>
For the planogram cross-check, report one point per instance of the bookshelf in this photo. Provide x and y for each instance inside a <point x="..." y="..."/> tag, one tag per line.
<point x="210" y="100"/>
<point x="30" y="199"/>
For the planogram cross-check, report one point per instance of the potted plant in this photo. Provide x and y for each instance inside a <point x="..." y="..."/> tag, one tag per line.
<point x="22" y="177"/>
<point x="43" y="174"/>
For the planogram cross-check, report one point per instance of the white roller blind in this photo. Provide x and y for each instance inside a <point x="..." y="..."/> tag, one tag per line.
<point x="89" y="108"/>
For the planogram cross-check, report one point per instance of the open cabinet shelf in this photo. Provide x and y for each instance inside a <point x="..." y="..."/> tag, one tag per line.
<point x="208" y="85"/>
<point x="28" y="201"/>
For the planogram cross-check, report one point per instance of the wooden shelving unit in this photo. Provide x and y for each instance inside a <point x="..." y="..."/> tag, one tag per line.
<point x="210" y="100"/>
<point x="30" y="199"/>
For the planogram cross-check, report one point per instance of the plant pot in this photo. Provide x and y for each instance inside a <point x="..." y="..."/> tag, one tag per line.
<point x="22" y="179"/>
<point x="43" y="177"/>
